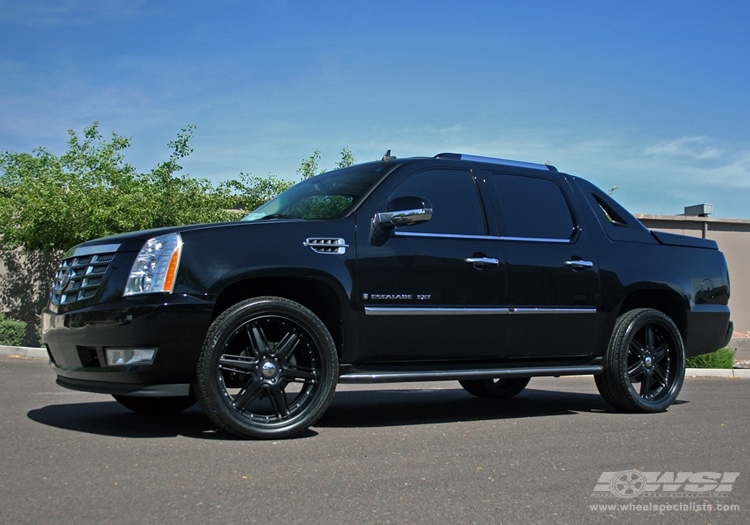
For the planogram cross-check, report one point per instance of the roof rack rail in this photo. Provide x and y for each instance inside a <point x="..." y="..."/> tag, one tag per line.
<point x="492" y="160"/>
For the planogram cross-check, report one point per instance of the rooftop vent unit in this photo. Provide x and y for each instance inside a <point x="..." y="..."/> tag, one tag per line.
<point x="699" y="210"/>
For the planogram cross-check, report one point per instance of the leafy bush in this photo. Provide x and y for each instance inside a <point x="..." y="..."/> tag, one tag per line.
<point x="11" y="331"/>
<point x="50" y="202"/>
<point x="723" y="358"/>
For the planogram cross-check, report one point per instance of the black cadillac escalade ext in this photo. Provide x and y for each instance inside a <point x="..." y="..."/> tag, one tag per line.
<point x="476" y="269"/>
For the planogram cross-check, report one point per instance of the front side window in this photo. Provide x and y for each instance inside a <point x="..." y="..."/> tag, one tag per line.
<point x="533" y="208"/>
<point x="456" y="208"/>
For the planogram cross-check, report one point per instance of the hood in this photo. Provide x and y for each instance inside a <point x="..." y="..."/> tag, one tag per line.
<point x="133" y="241"/>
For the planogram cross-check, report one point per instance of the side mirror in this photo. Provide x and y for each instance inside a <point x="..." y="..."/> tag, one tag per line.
<point x="402" y="211"/>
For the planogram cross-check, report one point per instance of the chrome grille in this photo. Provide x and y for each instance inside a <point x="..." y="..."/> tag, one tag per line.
<point x="78" y="278"/>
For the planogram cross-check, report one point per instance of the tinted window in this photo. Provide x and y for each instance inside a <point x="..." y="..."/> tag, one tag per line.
<point x="326" y="196"/>
<point x="618" y="224"/>
<point x="533" y="208"/>
<point x="456" y="208"/>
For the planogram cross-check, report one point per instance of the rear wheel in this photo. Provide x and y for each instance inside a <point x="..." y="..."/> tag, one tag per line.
<point x="156" y="406"/>
<point x="644" y="366"/>
<point x="268" y="369"/>
<point x="495" y="388"/>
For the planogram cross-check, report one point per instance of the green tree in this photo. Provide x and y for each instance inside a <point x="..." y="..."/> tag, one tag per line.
<point x="52" y="203"/>
<point x="248" y="192"/>
<point x="180" y="199"/>
<point x="347" y="158"/>
<point x="309" y="166"/>
<point x="49" y="204"/>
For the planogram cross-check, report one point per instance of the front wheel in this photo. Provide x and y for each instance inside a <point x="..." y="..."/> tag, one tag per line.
<point x="495" y="388"/>
<point x="268" y="369"/>
<point x="644" y="366"/>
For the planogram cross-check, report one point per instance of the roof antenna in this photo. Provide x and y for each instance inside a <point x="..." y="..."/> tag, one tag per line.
<point x="387" y="157"/>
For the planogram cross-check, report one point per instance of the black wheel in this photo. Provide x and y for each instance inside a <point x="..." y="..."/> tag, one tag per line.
<point x="268" y="369"/>
<point x="644" y="366"/>
<point x="495" y="388"/>
<point x="156" y="406"/>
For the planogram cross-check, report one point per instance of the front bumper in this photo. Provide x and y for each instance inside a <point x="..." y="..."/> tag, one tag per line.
<point x="125" y="389"/>
<point x="175" y="325"/>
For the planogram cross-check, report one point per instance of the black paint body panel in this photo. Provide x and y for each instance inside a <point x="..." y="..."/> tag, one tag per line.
<point x="414" y="302"/>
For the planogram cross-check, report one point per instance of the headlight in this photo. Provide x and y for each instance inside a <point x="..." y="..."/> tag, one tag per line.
<point x="155" y="268"/>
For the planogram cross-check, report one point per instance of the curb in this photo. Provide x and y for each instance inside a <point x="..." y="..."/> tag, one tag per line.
<point x="41" y="353"/>
<point x="718" y="372"/>
<point x="23" y="351"/>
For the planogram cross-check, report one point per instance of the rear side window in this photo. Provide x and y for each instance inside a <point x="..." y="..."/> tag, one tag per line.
<point x="456" y="208"/>
<point x="617" y="222"/>
<point x="533" y="208"/>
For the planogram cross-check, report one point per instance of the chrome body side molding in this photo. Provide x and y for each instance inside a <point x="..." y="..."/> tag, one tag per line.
<point x="401" y="310"/>
<point x="405" y="310"/>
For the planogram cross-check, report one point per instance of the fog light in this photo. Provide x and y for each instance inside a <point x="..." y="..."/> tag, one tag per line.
<point x="130" y="356"/>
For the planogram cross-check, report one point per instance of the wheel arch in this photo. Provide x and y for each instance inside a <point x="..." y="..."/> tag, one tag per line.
<point x="313" y="292"/>
<point x="667" y="301"/>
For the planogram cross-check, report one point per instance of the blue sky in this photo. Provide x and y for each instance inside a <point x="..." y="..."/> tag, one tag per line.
<point x="650" y="96"/>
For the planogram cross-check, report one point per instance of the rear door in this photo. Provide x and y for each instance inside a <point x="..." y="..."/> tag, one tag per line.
<point x="551" y="265"/>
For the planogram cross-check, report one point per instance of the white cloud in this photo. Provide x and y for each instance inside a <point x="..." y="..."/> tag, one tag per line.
<point x="685" y="147"/>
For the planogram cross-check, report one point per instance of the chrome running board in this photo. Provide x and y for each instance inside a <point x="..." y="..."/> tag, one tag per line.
<point x="369" y="376"/>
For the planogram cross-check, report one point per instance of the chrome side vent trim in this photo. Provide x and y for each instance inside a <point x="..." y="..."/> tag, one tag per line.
<point x="327" y="245"/>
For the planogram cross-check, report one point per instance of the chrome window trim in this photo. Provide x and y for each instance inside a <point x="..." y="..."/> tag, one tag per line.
<point x="91" y="250"/>
<point x="535" y="239"/>
<point x="399" y="233"/>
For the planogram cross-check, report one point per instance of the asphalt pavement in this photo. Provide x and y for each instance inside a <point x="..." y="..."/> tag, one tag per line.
<point x="401" y="453"/>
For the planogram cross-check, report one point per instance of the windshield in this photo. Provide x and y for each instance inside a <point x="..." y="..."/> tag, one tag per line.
<point x="329" y="195"/>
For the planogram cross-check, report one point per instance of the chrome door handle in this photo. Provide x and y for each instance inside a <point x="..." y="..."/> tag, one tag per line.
<point x="482" y="260"/>
<point x="579" y="265"/>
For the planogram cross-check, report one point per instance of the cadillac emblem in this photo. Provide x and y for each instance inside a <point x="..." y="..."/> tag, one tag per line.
<point x="62" y="279"/>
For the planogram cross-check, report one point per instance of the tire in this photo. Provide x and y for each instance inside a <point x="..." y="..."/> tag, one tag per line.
<point x="644" y="366"/>
<point x="156" y="406"/>
<point x="495" y="388"/>
<point x="268" y="369"/>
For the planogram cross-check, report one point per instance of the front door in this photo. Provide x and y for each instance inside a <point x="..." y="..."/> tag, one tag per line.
<point x="435" y="289"/>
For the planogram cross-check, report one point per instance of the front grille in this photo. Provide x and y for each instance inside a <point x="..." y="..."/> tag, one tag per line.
<point x="78" y="278"/>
